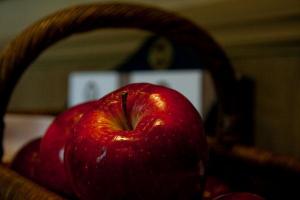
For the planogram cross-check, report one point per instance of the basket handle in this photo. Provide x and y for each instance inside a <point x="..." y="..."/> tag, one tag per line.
<point x="27" y="46"/>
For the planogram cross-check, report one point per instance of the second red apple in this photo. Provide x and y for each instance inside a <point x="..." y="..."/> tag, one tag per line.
<point x="51" y="172"/>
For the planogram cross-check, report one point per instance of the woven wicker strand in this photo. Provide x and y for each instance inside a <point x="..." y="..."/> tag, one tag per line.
<point x="19" y="188"/>
<point x="26" y="47"/>
<point x="256" y="156"/>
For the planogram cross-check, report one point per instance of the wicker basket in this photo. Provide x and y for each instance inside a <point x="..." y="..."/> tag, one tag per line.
<point x="27" y="46"/>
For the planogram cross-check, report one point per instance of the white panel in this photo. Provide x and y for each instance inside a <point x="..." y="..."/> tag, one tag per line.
<point x="84" y="86"/>
<point x="22" y="128"/>
<point x="187" y="82"/>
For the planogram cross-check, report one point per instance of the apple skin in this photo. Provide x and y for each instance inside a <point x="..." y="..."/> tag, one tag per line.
<point x="51" y="173"/>
<point x="214" y="187"/>
<point x="26" y="160"/>
<point x="150" y="146"/>
<point x="239" y="196"/>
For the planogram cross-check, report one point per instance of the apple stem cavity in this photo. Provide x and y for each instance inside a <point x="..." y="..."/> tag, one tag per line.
<point x="128" y="124"/>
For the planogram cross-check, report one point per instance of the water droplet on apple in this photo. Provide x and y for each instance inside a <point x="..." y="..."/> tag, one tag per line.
<point x="61" y="154"/>
<point x="201" y="168"/>
<point x="158" y="122"/>
<point x="103" y="153"/>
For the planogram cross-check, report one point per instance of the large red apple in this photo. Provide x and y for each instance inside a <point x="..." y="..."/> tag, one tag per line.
<point x="26" y="160"/>
<point x="239" y="196"/>
<point x="51" y="173"/>
<point x="142" y="141"/>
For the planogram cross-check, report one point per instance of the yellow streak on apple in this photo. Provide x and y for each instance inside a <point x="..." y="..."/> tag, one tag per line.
<point x="158" y="101"/>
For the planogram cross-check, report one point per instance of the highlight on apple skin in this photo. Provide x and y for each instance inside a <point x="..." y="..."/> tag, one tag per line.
<point x="142" y="141"/>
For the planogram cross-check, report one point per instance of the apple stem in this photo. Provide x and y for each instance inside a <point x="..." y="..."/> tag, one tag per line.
<point x="124" y="108"/>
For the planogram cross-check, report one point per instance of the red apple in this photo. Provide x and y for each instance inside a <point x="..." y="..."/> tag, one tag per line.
<point x="26" y="161"/>
<point x="214" y="187"/>
<point x="142" y="141"/>
<point x="51" y="173"/>
<point x="239" y="196"/>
